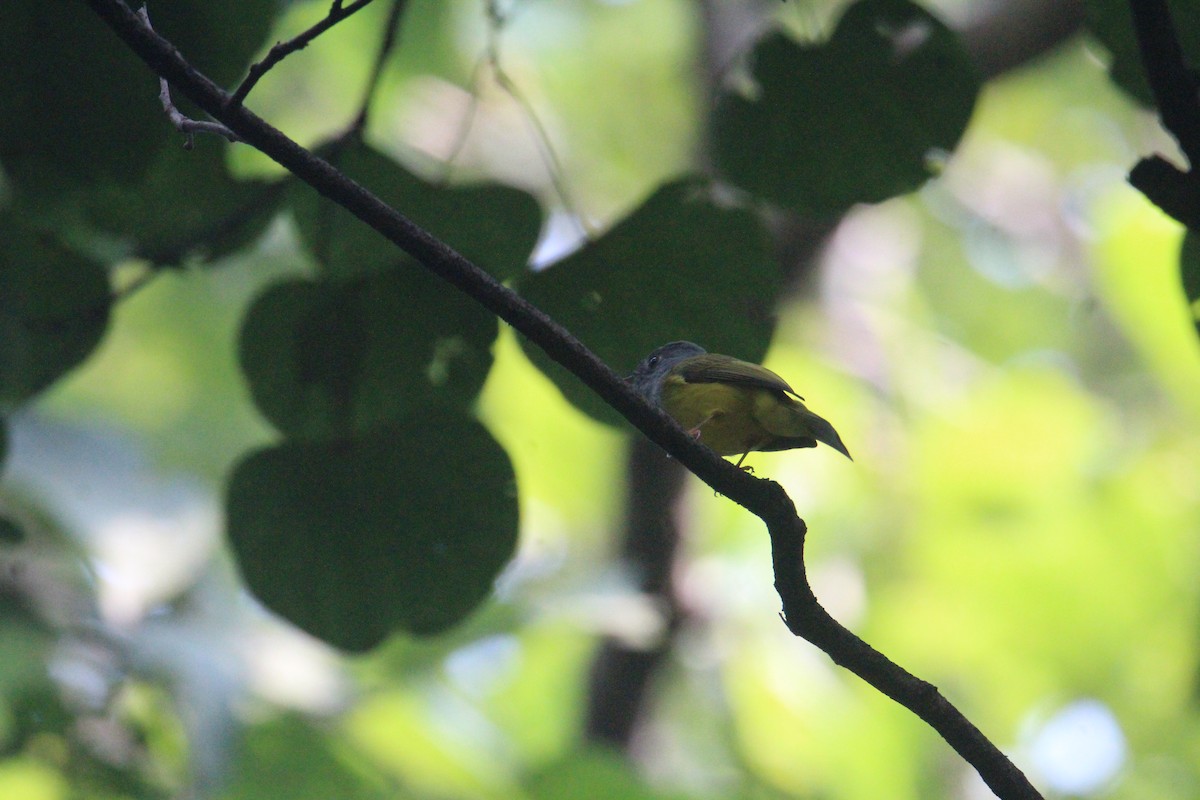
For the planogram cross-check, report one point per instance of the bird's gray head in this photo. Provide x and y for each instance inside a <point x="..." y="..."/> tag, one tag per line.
<point x="647" y="377"/>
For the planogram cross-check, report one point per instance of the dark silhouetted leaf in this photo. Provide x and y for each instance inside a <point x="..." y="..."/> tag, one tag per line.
<point x="1110" y="22"/>
<point x="54" y="307"/>
<point x="401" y="530"/>
<point x="494" y="226"/>
<point x="187" y="204"/>
<point x="679" y="267"/>
<point x="853" y="120"/>
<point x="337" y="356"/>
<point x="219" y="38"/>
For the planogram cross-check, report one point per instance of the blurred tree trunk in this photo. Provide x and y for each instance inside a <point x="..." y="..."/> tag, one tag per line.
<point x="1001" y="35"/>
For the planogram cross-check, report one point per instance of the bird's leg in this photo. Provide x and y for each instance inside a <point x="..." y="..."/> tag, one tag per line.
<point x="695" y="432"/>
<point x="750" y="450"/>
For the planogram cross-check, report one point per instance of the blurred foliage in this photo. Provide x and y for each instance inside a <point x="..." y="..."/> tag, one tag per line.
<point x="54" y="306"/>
<point x="1189" y="264"/>
<point x="1001" y="337"/>
<point x="221" y="216"/>
<point x="114" y="119"/>
<point x="1109" y="22"/>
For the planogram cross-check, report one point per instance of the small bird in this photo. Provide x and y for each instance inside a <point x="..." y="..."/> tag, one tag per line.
<point x="730" y="405"/>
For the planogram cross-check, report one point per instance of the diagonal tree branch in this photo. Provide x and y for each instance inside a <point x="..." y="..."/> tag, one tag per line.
<point x="803" y="614"/>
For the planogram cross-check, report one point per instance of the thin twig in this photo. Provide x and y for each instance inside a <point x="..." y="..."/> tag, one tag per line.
<point x="282" y="50"/>
<point x="497" y="22"/>
<point x="545" y="147"/>
<point x="385" y="49"/>
<point x="468" y="121"/>
<point x="550" y="160"/>
<point x="766" y="499"/>
<point x="184" y="124"/>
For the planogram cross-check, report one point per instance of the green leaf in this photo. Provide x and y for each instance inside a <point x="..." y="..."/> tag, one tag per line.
<point x="331" y="357"/>
<point x="605" y="773"/>
<point x="681" y="266"/>
<point x="494" y="226"/>
<point x="1111" y="23"/>
<point x="853" y="120"/>
<point x="405" y="529"/>
<point x="10" y="532"/>
<point x="54" y="307"/>
<point x="1189" y="274"/>
<point x="187" y="204"/>
<point x="81" y="109"/>
<point x="288" y="759"/>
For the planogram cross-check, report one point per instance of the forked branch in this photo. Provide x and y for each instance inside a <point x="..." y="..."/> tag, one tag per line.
<point x="281" y="50"/>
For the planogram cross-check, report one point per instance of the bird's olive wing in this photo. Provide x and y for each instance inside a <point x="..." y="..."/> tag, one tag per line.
<point x="714" y="368"/>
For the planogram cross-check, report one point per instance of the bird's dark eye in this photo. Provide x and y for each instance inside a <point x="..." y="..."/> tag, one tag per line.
<point x="650" y="362"/>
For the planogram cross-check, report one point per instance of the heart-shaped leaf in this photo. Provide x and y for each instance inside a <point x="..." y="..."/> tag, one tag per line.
<point x="404" y="529"/>
<point x="853" y="120"/>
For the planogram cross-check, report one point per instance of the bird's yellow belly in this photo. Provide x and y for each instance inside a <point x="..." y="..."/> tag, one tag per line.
<point x="724" y="415"/>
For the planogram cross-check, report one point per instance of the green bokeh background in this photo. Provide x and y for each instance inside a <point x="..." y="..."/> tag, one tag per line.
<point x="1007" y="351"/>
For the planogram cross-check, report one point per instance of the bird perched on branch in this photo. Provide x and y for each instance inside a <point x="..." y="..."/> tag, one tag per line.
<point x="730" y="405"/>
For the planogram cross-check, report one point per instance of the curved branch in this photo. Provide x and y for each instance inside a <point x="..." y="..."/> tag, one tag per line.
<point x="764" y="498"/>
